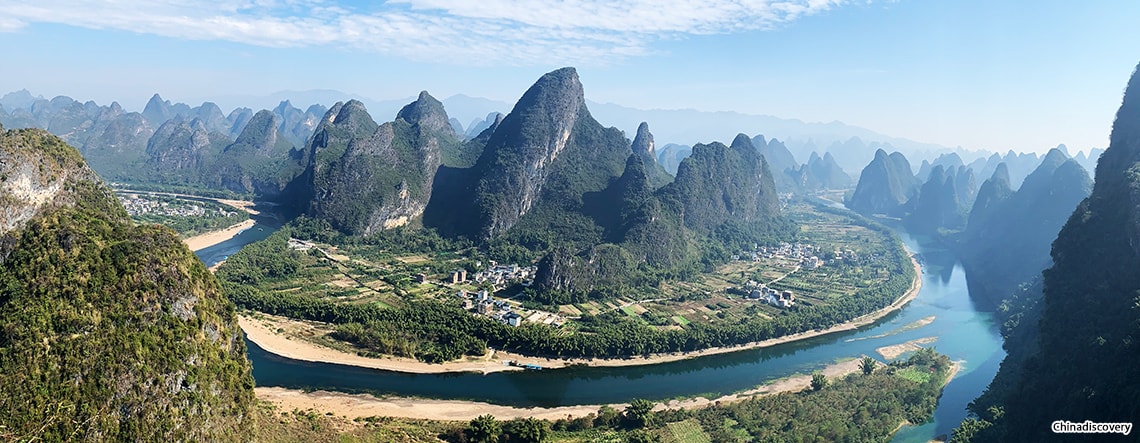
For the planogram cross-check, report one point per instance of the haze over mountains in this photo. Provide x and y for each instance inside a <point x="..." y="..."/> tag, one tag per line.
<point x="851" y="147"/>
<point x="1071" y="330"/>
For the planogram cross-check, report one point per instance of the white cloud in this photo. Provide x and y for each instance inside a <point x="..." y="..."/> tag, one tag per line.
<point x="488" y="31"/>
<point x="8" y="24"/>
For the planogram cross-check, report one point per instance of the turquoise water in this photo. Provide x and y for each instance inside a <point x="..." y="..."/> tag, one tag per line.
<point x="963" y="332"/>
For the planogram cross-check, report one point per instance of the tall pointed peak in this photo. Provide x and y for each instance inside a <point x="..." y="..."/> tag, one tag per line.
<point x="1053" y="158"/>
<point x="157" y="110"/>
<point x="283" y="107"/>
<point x="643" y="141"/>
<point x="425" y="111"/>
<point x="1001" y="173"/>
<point x="560" y="88"/>
<point x="743" y="143"/>
<point x="261" y="127"/>
<point x="351" y="110"/>
<point x="760" y="142"/>
<point x="1125" y="129"/>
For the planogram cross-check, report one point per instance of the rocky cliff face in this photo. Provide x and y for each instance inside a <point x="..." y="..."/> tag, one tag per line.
<point x="364" y="177"/>
<point x="120" y="328"/>
<point x="517" y="160"/>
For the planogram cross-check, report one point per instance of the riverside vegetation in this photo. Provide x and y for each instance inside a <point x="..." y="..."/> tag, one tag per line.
<point x="866" y="406"/>
<point x="367" y="296"/>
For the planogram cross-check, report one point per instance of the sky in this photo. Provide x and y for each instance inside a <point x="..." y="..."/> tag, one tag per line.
<point x="1021" y="75"/>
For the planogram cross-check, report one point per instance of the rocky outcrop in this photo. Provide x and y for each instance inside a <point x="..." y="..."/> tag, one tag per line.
<point x="365" y="177"/>
<point x="644" y="148"/>
<point x="124" y="333"/>
<point x="719" y="184"/>
<point x="516" y="162"/>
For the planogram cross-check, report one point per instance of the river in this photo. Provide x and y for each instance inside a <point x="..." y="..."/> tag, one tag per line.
<point x="963" y="332"/>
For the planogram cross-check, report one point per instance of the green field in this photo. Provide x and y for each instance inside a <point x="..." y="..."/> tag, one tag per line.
<point x="688" y="431"/>
<point x="914" y="374"/>
<point x="681" y="320"/>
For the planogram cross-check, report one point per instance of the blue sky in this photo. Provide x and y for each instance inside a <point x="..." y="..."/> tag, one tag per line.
<point x="980" y="74"/>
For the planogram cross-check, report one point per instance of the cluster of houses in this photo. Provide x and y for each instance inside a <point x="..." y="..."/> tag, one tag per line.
<point x="138" y="205"/>
<point x="808" y="255"/>
<point x="482" y="303"/>
<point x="846" y="255"/>
<point x="498" y="275"/>
<point x="760" y="291"/>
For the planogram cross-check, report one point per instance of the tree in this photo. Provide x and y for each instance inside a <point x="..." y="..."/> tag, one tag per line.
<point x="528" y="430"/>
<point x="868" y="365"/>
<point x="640" y="412"/>
<point x="484" y="429"/>
<point x="818" y="381"/>
<point x="607" y="417"/>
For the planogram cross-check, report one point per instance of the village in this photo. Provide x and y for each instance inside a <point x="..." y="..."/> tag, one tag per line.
<point x="805" y="256"/>
<point x="139" y="205"/>
<point x="505" y="310"/>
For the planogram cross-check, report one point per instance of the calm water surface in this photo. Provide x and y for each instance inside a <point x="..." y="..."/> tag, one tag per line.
<point x="963" y="332"/>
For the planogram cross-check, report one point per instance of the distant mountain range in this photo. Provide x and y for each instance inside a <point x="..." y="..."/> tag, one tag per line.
<point x="851" y="147"/>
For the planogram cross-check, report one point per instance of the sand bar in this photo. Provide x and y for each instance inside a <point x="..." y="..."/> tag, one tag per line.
<point x="893" y="351"/>
<point x="212" y="238"/>
<point x="267" y="338"/>
<point x="364" y="405"/>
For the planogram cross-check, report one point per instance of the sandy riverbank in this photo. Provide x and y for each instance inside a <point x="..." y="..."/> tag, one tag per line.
<point x="263" y="331"/>
<point x="267" y="337"/>
<point x="212" y="238"/>
<point x="893" y="351"/>
<point x="364" y="405"/>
